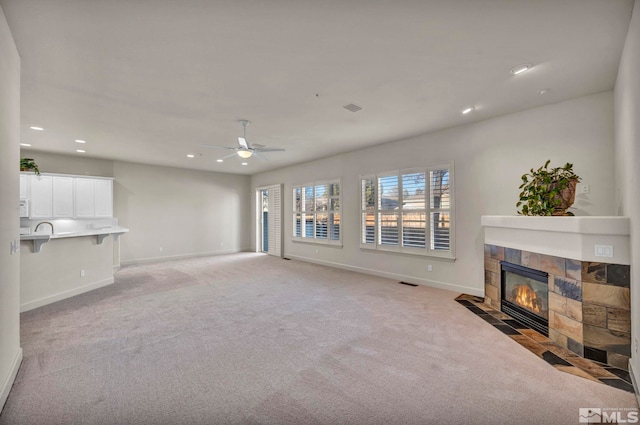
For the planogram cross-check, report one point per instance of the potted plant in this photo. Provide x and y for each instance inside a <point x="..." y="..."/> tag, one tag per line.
<point x="28" y="164"/>
<point x="548" y="191"/>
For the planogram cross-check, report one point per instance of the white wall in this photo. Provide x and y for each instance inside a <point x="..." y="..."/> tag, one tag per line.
<point x="53" y="274"/>
<point x="184" y="212"/>
<point x="10" y="351"/>
<point x="70" y="164"/>
<point x="627" y="149"/>
<point x="490" y="157"/>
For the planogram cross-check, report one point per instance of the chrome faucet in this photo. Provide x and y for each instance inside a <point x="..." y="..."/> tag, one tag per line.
<point x="44" y="222"/>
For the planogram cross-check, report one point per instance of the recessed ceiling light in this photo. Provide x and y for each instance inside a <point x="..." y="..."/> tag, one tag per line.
<point x="467" y="110"/>
<point x="519" y="69"/>
<point x="36" y="128"/>
<point x="80" y="141"/>
<point x="219" y="160"/>
<point x="244" y="163"/>
<point x="25" y="144"/>
<point x="80" y="151"/>
<point x="543" y="91"/>
<point x="191" y="155"/>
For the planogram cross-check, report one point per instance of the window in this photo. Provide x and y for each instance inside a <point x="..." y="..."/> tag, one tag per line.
<point x="316" y="212"/>
<point x="409" y="211"/>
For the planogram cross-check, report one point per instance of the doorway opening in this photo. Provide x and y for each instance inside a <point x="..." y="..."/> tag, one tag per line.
<point x="269" y="220"/>
<point x="264" y="220"/>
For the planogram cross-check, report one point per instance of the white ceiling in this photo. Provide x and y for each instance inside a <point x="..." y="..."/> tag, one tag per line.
<point x="150" y="80"/>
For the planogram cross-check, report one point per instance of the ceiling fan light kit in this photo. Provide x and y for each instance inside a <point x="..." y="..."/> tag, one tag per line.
<point x="245" y="153"/>
<point x="244" y="150"/>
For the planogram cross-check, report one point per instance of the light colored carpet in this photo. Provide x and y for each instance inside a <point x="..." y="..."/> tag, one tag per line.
<point x="252" y="339"/>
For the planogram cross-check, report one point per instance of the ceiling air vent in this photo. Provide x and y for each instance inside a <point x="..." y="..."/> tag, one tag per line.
<point x="353" y="108"/>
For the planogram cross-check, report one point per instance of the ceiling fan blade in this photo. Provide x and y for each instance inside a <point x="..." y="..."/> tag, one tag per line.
<point x="243" y="142"/>
<point x="217" y="147"/>
<point x="229" y="156"/>
<point x="269" y="149"/>
<point x="257" y="155"/>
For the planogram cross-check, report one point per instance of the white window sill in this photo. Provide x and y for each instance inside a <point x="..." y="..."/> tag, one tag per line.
<point x="445" y="256"/>
<point x="309" y="241"/>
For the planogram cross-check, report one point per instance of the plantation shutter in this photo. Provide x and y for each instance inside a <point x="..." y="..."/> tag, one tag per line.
<point x="409" y="211"/>
<point x="388" y="217"/>
<point x="275" y="220"/>
<point x="413" y="209"/>
<point x="440" y="208"/>
<point x="368" y="211"/>
<point x="316" y="213"/>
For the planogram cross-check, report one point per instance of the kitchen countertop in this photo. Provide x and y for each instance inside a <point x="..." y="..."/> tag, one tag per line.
<point x="59" y="235"/>
<point x="41" y="238"/>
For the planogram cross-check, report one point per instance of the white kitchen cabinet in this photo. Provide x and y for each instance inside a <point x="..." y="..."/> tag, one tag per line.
<point x="104" y="198"/>
<point x="41" y="196"/>
<point x="62" y="197"/>
<point x="85" y="198"/>
<point x="67" y="196"/>
<point x="24" y="186"/>
<point x="94" y="197"/>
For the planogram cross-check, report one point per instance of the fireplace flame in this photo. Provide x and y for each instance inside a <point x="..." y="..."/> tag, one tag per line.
<point x="526" y="297"/>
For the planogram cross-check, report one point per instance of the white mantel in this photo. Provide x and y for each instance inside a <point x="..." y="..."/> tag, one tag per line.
<point x="567" y="237"/>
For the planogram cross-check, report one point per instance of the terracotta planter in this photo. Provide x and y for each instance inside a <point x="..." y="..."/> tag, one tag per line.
<point x="567" y="196"/>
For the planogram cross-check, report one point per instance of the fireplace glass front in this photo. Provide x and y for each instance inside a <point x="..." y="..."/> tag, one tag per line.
<point x="525" y="296"/>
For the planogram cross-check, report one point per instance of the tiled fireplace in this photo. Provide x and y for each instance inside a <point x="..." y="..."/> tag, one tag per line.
<point x="587" y="300"/>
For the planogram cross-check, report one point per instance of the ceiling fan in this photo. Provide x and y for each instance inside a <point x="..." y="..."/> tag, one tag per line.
<point x="244" y="150"/>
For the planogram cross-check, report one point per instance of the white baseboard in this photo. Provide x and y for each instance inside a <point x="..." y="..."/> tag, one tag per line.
<point x="8" y="383"/>
<point x="395" y="276"/>
<point x="64" y="295"/>
<point x="179" y="257"/>
<point x="635" y="379"/>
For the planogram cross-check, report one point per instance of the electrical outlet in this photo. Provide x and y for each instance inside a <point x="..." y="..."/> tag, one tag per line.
<point x="585" y="188"/>
<point x="604" y="251"/>
<point x="221" y="243"/>
<point x="635" y="343"/>
<point x="82" y="273"/>
<point x="317" y="250"/>
<point x="161" y="249"/>
<point x="429" y="268"/>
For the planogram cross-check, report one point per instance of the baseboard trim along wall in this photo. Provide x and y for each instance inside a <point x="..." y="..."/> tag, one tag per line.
<point x="395" y="276"/>
<point x="635" y="381"/>
<point x="8" y="383"/>
<point x="64" y="295"/>
<point x="179" y="257"/>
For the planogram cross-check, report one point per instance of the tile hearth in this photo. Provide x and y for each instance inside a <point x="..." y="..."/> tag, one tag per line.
<point x="546" y="349"/>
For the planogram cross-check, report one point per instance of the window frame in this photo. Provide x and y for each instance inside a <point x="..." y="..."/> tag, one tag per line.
<point x="428" y="210"/>
<point x="328" y="211"/>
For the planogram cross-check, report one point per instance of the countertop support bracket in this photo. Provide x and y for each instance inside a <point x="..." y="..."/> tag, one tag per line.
<point x="37" y="243"/>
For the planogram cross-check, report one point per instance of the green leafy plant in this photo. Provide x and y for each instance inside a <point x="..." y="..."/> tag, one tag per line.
<point x="28" y="164"/>
<point x="548" y="191"/>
